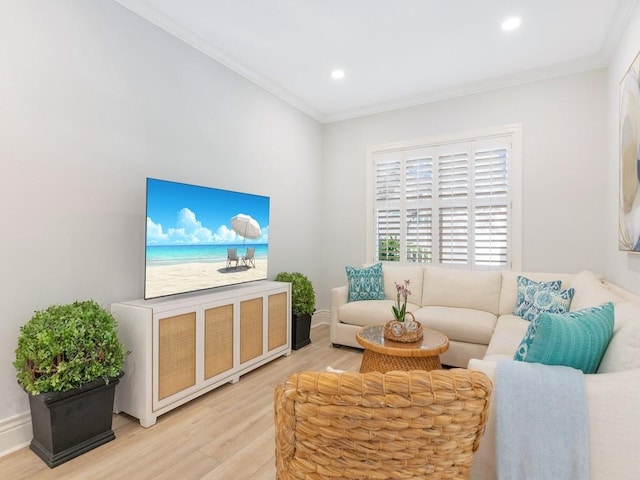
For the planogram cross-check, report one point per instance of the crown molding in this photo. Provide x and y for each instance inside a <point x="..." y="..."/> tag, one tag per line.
<point x="496" y="83"/>
<point x="616" y="28"/>
<point x="148" y="12"/>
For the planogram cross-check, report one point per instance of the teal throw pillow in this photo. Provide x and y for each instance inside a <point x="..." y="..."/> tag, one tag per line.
<point x="365" y="283"/>
<point x="526" y="291"/>
<point x="576" y="339"/>
<point x="546" y="300"/>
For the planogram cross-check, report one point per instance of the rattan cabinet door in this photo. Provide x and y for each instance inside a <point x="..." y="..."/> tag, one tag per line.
<point x="218" y="340"/>
<point x="251" y="329"/>
<point x="277" y="320"/>
<point x="176" y="354"/>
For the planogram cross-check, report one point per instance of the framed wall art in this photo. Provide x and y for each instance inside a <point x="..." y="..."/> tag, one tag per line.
<point x="629" y="190"/>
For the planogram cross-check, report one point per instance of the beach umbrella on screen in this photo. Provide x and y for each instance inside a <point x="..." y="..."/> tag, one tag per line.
<point x="246" y="226"/>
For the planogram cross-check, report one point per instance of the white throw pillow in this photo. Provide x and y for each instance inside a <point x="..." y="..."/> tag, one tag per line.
<point x="623" y="352"/>
<point x="590" y="292"/>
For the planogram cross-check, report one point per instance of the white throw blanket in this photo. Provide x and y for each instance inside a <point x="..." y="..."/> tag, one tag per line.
<point x="541" y="422"/>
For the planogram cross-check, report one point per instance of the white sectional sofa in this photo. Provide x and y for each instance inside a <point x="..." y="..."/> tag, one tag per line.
<point x="475" y="310"/>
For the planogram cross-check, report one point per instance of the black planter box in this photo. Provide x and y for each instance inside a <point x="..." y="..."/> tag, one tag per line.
<point x="300" y="330"/>
<point x="67" y="424"/>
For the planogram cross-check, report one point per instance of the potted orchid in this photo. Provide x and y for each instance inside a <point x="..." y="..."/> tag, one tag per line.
<point x="400" y="310"/>
<point x="397" y="329"/>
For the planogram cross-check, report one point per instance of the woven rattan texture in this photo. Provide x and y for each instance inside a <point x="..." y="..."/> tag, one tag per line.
<point x="398" y="425"/>
<point x="277" y="320"/>
<point x="250" y="329"/>
<point x="218" y="340"/>
<point x="379" y="362"/>
<point x="176" y="354"/>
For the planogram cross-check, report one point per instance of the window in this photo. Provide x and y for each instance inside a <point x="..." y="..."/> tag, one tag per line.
<point x="446" y="202"/>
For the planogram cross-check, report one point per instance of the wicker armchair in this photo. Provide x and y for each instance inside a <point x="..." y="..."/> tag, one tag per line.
<point x="397" y="425"/>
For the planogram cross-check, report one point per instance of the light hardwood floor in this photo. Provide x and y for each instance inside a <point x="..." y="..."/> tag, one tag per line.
<point x="226" y="434"/>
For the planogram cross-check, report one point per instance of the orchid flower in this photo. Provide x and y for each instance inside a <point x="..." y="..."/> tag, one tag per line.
<point x="400" y="308"/>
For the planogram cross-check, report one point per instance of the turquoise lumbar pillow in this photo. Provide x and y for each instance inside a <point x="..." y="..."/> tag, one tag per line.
<point x="526" y="291"/>
<point x="365" y="283"/>
<point x="576" y="339"/>
<point x="546" y="300"/>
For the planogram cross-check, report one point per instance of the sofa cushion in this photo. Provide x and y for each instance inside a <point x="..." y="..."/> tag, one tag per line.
<point x="591" y="292"/>
<point x="369" y="312"/>
<point x="398" y="274"/>
<point x="365" y="283"/>
<point x="546" y="300"/>
<point x="509" y="331"/>
<point x="623" y="352"/>
<point x="575" y="339"/>
<point x="460" y="324"/>
<point x="446" y="287"/>
<point x="509" y="290"/>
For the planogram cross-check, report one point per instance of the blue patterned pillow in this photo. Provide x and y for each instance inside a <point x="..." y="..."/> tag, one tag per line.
<point x="365" y="283"/>
<point x="576" y="339"/>
<point x="548" y="301"/>
<point x="527" y="290"/>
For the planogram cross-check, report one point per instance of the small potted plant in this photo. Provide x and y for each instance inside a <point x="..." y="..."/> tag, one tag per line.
<point x="303" y="304"/>
<point x="400" y="329"/>
<point x="69" y="360"/>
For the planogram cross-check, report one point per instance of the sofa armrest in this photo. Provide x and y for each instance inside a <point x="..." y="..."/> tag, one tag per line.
<point x="613" y="416"/>
<point x="614" y="419"/>
<point x="485" y="366"/>
<point x="339" y="297"/>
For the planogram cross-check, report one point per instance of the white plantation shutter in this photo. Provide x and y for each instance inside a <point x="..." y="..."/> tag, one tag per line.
<point x="445" y="204"/>
<point x="454" y="178"/>
<point x="453" y="175"/>
<point x="419" y="177"/>
<point x="418" y="188"/>
<point x="388" y="180"/>
<point x="491" y="172"/>
<point x="491" y="212"/>
<point x="419" y="235"/>
<point x="454" y="235"/>
<point x="491" y="235"/>
<point x="388" y="193"/>
<point x="388" y="234"/>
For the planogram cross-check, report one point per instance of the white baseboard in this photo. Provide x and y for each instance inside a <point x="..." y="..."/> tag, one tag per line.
<point x="321" y="317"/>
<point x="15" y="433"/>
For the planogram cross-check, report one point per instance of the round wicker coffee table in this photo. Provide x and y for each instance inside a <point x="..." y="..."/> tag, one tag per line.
<point x="382" y="355"/>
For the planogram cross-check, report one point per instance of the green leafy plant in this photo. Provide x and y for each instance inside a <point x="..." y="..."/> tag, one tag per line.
<point x="418" y="254"/>
<point x="66" y="346"/>
<point x="389" y="249"/>
<point x="303" y="298"/>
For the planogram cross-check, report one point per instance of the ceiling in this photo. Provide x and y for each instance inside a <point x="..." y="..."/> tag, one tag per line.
<point x="395" y="53"/>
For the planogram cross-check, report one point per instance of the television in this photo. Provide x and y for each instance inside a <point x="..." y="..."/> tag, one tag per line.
<point x="199" y="238"/>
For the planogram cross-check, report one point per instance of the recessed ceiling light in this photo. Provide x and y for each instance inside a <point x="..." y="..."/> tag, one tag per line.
<point x="511" y="24"/>
<point x="337" y="74"/>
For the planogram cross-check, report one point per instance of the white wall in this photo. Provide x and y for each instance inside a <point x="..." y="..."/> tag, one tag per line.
<point x="623" y="268"/>
<point x="564" y="131"/>
<point x="93" y="99"/>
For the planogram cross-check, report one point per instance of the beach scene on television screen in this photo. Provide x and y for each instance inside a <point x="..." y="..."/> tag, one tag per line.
<point x="199" y="238"/>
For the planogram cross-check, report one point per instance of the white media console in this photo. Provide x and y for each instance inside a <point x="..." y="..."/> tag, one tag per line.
<point x="180" y="348"/>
